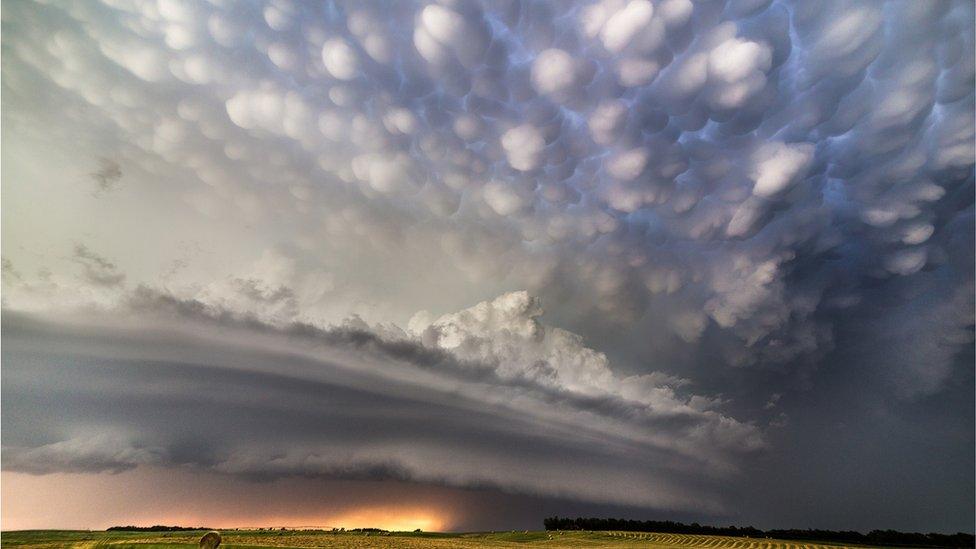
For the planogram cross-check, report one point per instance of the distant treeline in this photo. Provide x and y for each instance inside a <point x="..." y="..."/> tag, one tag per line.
<point x="875" y="537"/>
<point x="156" y="528"/>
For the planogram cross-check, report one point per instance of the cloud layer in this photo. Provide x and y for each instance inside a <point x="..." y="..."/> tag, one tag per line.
<point x="710" y="198"/>
<point x="484" y="397"/>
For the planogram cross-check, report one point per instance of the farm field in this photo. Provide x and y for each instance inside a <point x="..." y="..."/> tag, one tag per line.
<point x="251" y="539"/>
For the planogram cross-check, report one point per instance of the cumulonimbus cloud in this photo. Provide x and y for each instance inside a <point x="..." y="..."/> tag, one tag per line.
<point x="716" y="190"/>
<point x="638" y="135"/>
<point x="460" y="400"/>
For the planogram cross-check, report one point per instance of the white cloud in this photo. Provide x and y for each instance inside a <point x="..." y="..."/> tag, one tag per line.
<point x="340" y="59"/>
<point x="504" y="199"/>
<point x="523" y="146"/>
<point x="634" y="71"/>
<point x="554" y="71"/>
<point x="906" y="262"/>
<point x="738" y="69"/>
<point x="628" y="165"/>
<point x="607" y="121"/>
<point x="777" y="166"/>
<point x="443" y="33"/>
<point x="917" y="233"/>
<point x="621" y="27"/>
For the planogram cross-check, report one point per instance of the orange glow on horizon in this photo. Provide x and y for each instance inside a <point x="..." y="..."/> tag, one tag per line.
<point x="390" y="518"/>
<point x="151" y="496"/>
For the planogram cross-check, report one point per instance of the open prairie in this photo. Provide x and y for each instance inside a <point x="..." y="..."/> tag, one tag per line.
<point x="249" y="539"/>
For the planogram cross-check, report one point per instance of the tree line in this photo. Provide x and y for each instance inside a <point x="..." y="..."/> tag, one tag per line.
<point x="874" y="537"/>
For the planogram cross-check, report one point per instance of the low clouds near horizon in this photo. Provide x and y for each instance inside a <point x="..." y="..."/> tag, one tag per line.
<point x="485" y="397"/>
<point x="635" y="253"/>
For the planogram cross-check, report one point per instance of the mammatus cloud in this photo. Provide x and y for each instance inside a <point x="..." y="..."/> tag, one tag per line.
<point x="655" y="140"/>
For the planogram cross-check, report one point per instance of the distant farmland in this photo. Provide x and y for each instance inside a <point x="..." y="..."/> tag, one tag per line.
<point x="251" y="539"/>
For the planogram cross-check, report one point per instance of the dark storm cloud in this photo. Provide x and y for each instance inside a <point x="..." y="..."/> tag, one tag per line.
<point x="240" y="397"/>
<point x="732" y="200"/>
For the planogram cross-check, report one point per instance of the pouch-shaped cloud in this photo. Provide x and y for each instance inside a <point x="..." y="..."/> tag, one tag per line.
<point x="505" y="199"/>
<point x="738" y="68"/>
<point x="443" y="33"/>
<point x="340" y="59"/>
<point x="607" y="121"/>
<point x="622" y="26"/>
<point x="776" y="166"/>
<point x="554" y="72"/>
<point x="523" y="146"/>
<point x="628" y="165"/>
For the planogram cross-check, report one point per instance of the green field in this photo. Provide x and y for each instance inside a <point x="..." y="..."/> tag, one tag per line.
<point x="250" y="539"/>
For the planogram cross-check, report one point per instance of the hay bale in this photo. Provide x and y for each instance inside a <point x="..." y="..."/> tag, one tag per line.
<point x="210" y="540"/>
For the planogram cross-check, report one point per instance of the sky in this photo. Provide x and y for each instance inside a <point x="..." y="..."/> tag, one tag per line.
<point x="463" y="265"/>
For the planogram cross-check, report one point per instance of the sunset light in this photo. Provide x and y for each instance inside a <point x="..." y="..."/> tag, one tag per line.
<point x="392" y="518"/>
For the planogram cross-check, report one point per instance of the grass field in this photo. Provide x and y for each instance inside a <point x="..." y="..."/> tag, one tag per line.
<point x="250" y="539"/>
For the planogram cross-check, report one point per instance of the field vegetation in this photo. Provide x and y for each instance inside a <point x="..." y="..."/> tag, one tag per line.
<point x="252" y="539"/>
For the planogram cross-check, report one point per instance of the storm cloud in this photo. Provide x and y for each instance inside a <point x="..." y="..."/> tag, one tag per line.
<point x="619" y="252"/>
<point x="182" y="387"/>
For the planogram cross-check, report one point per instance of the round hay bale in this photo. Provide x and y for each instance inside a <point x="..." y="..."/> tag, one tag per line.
<point x="210" y="540"/>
